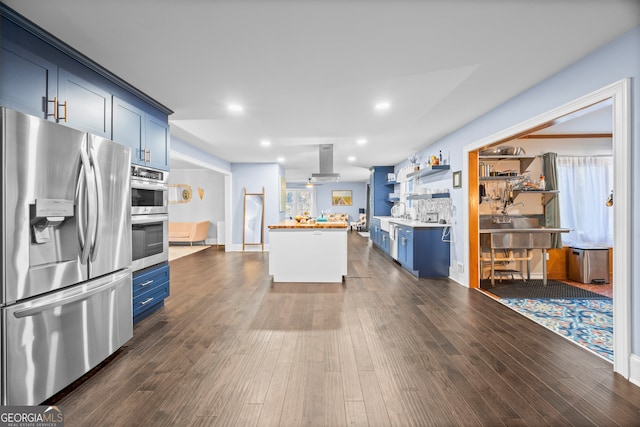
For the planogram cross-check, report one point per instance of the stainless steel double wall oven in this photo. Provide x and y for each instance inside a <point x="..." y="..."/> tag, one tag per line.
<point x="149" y="217"/>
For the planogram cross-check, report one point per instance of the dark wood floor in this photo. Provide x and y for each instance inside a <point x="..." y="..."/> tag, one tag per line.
<point x="384" y="348"/>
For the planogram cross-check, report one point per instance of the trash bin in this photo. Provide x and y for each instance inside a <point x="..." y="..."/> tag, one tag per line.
<point x="589" y="264"/>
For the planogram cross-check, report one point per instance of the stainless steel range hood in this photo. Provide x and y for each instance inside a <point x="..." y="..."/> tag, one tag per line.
<point x="326" y="165"/>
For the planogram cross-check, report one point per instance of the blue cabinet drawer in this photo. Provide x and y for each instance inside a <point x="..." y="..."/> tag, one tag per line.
<point x="150" y="278"/>
<point x="150" y="287"/>
<point x="150" y="299"/>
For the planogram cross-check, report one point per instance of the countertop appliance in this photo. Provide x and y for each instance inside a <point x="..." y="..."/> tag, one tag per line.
<point x="589" y="264"/>
<point x="66" y="253"/>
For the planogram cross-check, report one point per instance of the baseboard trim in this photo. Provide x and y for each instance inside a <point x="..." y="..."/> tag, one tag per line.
<point x="252" y="248"/>
<point x="634" y="369"/>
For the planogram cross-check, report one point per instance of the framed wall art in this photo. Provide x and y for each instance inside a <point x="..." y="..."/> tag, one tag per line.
<point x="341" y="198"/>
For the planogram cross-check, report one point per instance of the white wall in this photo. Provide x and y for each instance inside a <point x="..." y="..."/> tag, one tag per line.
<point x="209" y="208"/>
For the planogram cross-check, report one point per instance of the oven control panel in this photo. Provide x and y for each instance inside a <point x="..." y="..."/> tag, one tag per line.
<point x="152" y="175"/>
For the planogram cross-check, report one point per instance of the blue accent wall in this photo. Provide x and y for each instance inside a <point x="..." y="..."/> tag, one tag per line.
<point x="358" y="192"/>
<point x="253" y="177"/>
<point x="611" y="63"/>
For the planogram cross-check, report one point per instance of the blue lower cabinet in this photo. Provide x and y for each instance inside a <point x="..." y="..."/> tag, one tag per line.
<point x="150" y="288"/>
<point x="422" y="251"/>
<point x="384" y="241"/>
<point x="374" y="231"/>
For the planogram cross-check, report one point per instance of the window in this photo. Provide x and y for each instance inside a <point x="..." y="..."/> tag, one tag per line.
<point x="301" y="201"/>
<point x="585" y="184"/>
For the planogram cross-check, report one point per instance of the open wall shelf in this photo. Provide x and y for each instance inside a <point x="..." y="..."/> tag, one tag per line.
<point x="431" y="170"/>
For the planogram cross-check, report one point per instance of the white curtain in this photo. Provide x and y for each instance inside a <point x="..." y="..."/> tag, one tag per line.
<point x="585" y="184"/>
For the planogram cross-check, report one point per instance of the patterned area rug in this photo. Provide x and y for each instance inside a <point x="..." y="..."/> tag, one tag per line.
<point x="587" y="322"/>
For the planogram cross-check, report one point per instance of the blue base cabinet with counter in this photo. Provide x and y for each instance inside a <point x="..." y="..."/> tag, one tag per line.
<point x="374" y="231"/>
<point x="150" y="288"/>
<point x="423" y="252"/>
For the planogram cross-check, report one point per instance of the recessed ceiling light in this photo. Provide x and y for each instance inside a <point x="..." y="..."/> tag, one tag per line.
<point x="351" y="158"/>
<point x="361" y="141"/>
<point x="235" y="108"/>
<point x="280" y="159"/>
<point x="382" y="106"/>
<point x="265" y="143"/>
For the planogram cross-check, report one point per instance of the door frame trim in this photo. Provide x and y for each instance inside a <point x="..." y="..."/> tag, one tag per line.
<point x="619" y="93"/>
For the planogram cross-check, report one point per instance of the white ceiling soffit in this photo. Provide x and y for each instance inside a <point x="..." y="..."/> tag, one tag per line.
<point x="308" y="72"/>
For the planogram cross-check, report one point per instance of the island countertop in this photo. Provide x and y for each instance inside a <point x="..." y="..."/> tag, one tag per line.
<point x="314" y="226"/>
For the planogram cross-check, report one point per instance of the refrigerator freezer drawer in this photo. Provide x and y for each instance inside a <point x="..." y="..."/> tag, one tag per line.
<point x="588" y="265"/>
<point x="53" y="340"/>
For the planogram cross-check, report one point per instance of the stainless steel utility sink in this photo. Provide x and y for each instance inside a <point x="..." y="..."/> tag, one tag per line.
<point x="516" y="232"/>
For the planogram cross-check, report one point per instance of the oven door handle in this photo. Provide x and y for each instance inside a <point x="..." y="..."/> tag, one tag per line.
<point x="145" y="219"/>
<point x="143" y="185"/>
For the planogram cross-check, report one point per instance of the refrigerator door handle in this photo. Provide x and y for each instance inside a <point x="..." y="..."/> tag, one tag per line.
<point x="99" y="287"/>
<point x="99" y="203"/>
<point x="91" y="196"/>
<point x="80" y="207"/>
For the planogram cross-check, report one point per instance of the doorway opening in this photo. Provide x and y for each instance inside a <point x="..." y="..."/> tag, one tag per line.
<point x="617" y="96"/>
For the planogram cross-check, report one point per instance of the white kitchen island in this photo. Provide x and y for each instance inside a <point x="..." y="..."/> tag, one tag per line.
<point x="309" y="253"/>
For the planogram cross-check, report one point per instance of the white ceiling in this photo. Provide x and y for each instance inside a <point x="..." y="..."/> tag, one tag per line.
<point x="309" y="71"/>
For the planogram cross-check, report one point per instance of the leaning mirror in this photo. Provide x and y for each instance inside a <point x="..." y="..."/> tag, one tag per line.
<point x="253" y="231"/>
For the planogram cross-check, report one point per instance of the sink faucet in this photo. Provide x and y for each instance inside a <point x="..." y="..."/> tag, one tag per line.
<point x="506" y="206"/>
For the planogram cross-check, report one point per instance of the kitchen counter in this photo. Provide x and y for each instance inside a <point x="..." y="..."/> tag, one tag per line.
<point x="318" y="225"/>
<point x="308" y="253"/>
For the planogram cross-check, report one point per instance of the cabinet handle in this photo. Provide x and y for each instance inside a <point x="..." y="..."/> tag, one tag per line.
<point x="64" y="104"/>
<point x="404" y="241"/>
<point x="147" y="301"/>
<point x="55" y="108"/>
<point x="148" y="282"/>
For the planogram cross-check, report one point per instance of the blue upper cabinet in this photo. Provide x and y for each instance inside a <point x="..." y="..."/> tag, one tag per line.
<point x="129" y="128"/>
<point x="157" y="143"/>
<point x="83" y="105"/>
<point x="27" y="81"/>
<point x="147" y="136"/>
<point x="42" y="76"/>
<point x="35" y="86"/>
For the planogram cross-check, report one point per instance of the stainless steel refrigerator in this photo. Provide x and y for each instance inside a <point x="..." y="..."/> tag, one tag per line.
<point x="66" y="255"/>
